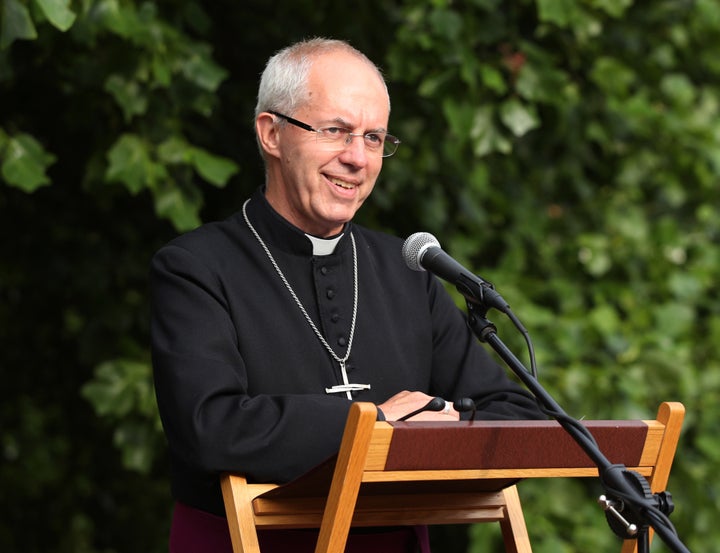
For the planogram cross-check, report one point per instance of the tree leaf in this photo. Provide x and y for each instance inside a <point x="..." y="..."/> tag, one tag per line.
<point x="122" y="391"/>
<point x="487" y="138"/>
<point x="518" y="117"/>
<point x="58" y="13"/>
<point x="131" y="163"/>
<point x="16" y="23"/>
<point x="137" y="441"/>
<point x="179" y="206"/>
<point x="121" y="386"/>
<point x="201" y="70"/>
<point x="174" y="150"/>
<point x="493" y="78"/>
<point x="128" y="94"/>
<point x="25" y="162"/>
<point x="679" y="89"/>
<point x="560" y="12"/>
<point x="613" y="76"/>
<point x="446" y="23"/>
<point x="214" y="169"/>
<point x="109" y="391"/>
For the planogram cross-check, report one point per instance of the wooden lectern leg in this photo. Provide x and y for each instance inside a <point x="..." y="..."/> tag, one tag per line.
<point x="514" y="530"/>
<point x="671" y="414"/>
<point x="242" y="527"/>
<point x="347" y="477"/>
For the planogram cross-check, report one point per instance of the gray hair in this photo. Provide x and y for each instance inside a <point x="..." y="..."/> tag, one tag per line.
<point x="283" y="84"/>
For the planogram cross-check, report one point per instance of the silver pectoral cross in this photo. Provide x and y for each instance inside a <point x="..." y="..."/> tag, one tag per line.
<point x="346" y="386"/>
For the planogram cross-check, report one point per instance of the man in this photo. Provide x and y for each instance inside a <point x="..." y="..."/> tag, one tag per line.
<point x="268" y="325"/>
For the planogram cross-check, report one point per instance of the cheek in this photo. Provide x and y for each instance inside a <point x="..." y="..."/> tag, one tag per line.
<point x="373" y="174"/>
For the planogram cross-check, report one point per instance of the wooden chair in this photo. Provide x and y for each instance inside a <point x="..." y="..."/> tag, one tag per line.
<point x="408" y="473"/>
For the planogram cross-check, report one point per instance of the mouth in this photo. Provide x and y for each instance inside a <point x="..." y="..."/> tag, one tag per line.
<point x="342" y="183"/>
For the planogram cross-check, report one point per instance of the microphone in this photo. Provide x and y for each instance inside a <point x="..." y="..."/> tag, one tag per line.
<point x="435" y="404"/>
<point x="439" y="404"/>
<point x="422" y="251"/>
<point x="465" y="404"/>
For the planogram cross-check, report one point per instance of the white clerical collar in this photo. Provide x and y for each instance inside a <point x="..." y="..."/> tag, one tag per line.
<point x="323" y="246"/>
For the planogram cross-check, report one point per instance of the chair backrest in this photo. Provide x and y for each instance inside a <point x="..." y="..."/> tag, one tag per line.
<point x="406" y="473"/>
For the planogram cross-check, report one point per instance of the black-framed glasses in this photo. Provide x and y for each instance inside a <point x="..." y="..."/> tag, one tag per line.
<point x="375" y="141"/>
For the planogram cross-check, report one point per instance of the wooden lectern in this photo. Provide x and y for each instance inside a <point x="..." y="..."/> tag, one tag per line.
<point x="408" y="473"/>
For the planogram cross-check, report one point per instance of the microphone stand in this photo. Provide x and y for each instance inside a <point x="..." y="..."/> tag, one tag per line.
<point x="631" y="508"/>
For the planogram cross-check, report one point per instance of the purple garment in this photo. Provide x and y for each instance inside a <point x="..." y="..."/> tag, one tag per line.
<point x="195" y="531"/>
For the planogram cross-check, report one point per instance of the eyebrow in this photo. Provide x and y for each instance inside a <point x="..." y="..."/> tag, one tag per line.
<point x="343" y="123"/>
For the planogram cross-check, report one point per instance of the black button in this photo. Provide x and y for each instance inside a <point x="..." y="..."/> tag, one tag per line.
<point x="342" y="341"/>
<point x="324" y="270"/>
<point x="335" y="317"/>
<point x="330" y="293"/>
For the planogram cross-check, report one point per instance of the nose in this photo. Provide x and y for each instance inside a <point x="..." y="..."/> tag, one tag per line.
<point x="355" y="152"/>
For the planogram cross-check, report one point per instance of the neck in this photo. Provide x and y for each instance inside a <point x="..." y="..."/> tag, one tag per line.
<point x="316" y="229"/>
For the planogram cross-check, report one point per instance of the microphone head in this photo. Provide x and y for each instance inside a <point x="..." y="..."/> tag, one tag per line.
<point x="435" y="404"/>
<point x="464" y="404"/>
<point x="414" y="248"/>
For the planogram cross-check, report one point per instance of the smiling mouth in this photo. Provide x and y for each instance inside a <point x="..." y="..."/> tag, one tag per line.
<point x="341" y="183"/>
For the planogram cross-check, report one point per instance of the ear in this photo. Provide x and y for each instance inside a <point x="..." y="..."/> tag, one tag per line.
<point x="267" y="134"/>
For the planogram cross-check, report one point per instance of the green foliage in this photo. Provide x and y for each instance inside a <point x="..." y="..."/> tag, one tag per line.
<point x="122" y="392"/>
<point x="16" y="23"/>
<point x="24" y="161"/>
<point x="568" y="149"/>
<point x="19" y="24"/>
<point x="603" y="228"/>
<point x="155" y="76"/>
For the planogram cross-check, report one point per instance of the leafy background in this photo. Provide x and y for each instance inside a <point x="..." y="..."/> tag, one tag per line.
<point x="567" y="149"/>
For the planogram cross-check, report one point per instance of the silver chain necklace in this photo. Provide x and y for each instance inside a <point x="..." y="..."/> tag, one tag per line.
<point x="345" y="386"/>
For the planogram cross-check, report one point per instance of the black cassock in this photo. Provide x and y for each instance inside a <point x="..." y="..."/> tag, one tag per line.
<point x="240" y="375"/>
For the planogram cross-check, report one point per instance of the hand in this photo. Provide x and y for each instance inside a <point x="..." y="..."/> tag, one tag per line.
<point x="406" y="402"/>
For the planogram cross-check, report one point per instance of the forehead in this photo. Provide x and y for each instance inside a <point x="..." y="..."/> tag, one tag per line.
<point x="343" y="85"/>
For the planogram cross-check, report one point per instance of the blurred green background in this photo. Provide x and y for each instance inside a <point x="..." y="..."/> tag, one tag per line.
<point x="567" y="150"/>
